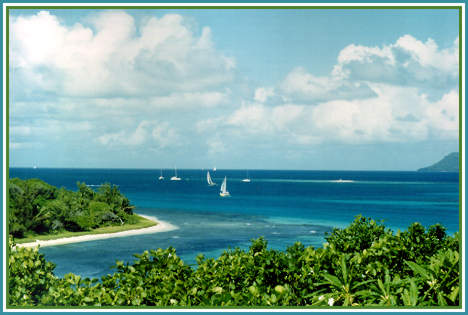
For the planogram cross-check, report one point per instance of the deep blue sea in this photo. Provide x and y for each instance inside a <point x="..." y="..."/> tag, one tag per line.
<point x="282" y="206"/>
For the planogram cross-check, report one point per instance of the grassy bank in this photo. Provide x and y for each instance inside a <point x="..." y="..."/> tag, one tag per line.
<point x="140" y="223"/>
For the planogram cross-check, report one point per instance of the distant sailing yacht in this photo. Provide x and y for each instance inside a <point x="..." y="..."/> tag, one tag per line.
<point x="161" y="177"/>
<point x="224" y="192"/>
<point x="247" y="179"/>
<point x="208" y="179"/>
<point x="175" y="176"/>
<point x="214" y="169"/>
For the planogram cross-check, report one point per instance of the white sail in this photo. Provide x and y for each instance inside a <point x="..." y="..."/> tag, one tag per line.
<point x="247" y="179"/>
<point x="223" y="186"/>
<point x="224" y="192"/>
<point x="209" y="180"/>
<point x="175" y="177"/>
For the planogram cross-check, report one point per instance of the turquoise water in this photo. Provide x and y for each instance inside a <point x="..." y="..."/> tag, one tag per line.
<point x="282" y="206"/>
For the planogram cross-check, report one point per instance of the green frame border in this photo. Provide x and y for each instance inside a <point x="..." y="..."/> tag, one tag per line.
<point x="240" y="6"/>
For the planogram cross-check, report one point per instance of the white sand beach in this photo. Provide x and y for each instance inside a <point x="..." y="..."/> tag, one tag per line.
<point x="162" y="226"/>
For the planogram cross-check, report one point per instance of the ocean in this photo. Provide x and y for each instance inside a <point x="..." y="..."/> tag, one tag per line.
<point x="282" y="206"/>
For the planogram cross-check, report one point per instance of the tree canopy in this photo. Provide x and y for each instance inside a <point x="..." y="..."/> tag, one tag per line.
<point x="36" y="207"/>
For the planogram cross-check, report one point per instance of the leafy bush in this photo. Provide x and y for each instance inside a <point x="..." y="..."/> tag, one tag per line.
<point x="36" y="207"/>
<point x="417" y="267"/>
<point x="30" y="277"/>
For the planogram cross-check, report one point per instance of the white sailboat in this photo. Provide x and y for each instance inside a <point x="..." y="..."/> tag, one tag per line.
<point x="214" y="169"/>
<point x="161" y="177"/>
<point x="247" y="179"/>
<point x="224" y="192"/>
<point x="209" y="180"/>
<point x="175" y="176"/>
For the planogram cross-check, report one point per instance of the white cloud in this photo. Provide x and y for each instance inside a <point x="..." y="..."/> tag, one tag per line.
<point x="113" y="80"/>
<point x="408" y="61"/>
<point x="263" y="93"/>
<point x="396" y="114"/>
<point x="115" y="57"/>
<point x="304" y="87"/>
<point x="151" y="133"/>
<point x="155" y="84"/>
<point x="189" y="100"/>
<point x="428" y="54"/>
<point x="166" y="136"/>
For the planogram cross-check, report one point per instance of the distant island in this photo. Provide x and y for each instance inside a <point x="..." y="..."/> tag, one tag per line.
<point x="448" y="164"/>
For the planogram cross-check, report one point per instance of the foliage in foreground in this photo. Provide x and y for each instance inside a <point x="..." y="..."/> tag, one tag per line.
<point x="37" y="207"/>
<point x="362" y="265"/>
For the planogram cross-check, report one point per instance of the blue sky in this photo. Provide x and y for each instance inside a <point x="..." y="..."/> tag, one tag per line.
<point x="278" y="89"/>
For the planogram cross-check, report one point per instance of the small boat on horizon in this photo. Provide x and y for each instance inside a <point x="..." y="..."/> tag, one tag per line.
<point x="175" y="176"/>
<point x="247" y="179"/>
<point x="161" y="177"/>
<point x="209" y="180"/>
<point x="224" y="192"/>
<point x="343" y="181"/>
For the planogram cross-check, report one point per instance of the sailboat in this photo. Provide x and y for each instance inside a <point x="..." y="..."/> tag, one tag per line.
<point x="208" y="179"/>
<point x="247" y="179"/>
<point x="175" y="176"/>
<point x="161" y="177"/>
<point x="224" y="192"/>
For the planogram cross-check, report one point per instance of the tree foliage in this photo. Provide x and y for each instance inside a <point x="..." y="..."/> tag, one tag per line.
<point x="36" y="207"/>
<point x="364" y="264"/>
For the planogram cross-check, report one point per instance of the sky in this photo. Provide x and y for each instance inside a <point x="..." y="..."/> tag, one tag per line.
<point x="236" y="89"/>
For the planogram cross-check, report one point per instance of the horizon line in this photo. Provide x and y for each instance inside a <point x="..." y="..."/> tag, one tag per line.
<point x="226" y="169"/>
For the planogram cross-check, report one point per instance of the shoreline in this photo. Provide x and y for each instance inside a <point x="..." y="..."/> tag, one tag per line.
<point x="161" y="226"/>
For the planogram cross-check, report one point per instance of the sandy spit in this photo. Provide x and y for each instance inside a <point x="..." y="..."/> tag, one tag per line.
<point x="162" y="226"/>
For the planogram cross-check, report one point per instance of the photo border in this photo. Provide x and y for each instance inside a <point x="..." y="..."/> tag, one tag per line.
<point x="7" y="6"/>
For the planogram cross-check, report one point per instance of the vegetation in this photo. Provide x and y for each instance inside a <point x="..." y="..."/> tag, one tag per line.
<point x="364" y="264"/>
<point x="138" y="222"/>
<point x="37" y="208"/>
<point x="449" y="163"/>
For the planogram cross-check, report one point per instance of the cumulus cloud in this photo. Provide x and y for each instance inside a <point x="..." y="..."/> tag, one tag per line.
<point x="113" y="56"/>
<point x="373" y="95"/>
<point x="396" y="114"/>
<point x="159" y="83"/>
<point x="408" y="61"/>
<point x="111" y="78"/>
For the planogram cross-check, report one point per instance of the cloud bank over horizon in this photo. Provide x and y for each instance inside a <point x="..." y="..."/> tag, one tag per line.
<point x="157" y="87"/>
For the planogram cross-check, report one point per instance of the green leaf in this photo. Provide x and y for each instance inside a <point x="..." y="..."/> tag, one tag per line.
<point x="418" y="269"/>
<point x="333" y="280"/>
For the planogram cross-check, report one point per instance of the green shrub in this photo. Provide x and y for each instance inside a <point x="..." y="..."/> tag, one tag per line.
<point x="36" y="207"/>
<point x="390" y="271"/>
